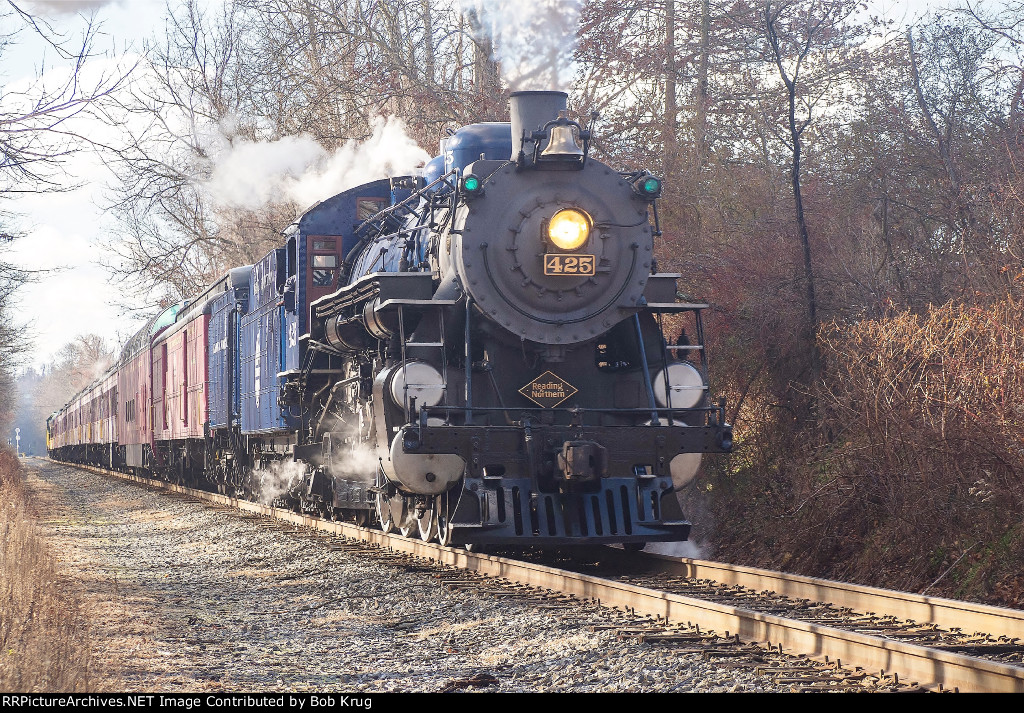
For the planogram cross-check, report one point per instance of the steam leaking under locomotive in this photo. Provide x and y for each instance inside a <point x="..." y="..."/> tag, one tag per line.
<point x="477" y="355"/>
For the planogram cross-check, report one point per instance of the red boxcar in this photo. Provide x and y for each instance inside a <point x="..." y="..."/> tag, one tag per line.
<point x="196" y="364"/>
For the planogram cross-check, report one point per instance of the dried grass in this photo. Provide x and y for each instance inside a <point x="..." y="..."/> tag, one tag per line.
<point x="911" y="473"/>
<point x="44" y="634"/>
<point x="926" y="415"/>
<point x="944" y="389"/>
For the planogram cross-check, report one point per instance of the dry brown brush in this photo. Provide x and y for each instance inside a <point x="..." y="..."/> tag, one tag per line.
<point x="910" y="474"/>
<point x="44" y="634"/>
<point x="925" y="462"/>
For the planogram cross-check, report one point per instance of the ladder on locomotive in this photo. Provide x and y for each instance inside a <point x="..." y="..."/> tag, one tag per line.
<point x="660" y="309"/>
<point x="428" y="309"/>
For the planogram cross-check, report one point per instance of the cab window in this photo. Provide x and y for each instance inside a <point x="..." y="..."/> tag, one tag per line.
<point x="368" y="207"/>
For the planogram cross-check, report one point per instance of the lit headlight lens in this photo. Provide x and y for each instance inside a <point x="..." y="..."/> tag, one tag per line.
<point x="569" y="228"/>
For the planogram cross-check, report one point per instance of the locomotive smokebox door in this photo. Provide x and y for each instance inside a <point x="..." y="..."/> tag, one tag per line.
<point x="583" y="464"/>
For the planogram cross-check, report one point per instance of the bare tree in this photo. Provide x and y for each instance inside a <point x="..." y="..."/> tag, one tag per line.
<point x="43" y="391"/>
<point x="811" y="46"/>
<point x="37" y="127"/>
<point x="40" y="127"/>
<point x="269" y="71"/>
<point x="192" y="90"/>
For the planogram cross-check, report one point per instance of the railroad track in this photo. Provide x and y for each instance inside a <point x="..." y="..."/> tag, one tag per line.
<point x="848" y="635"/>
<point x="995" y="633"/>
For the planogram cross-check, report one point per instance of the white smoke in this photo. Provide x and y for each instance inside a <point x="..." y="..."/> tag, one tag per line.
<point x="533" y="39"/>
<point x="278" y="479"/>
<point x="688" y="549"/>
<point x="68" y="7"/>
<point x="358" y="461"/>
<point x="351" y="455"/>
<point x="250" y="175"/>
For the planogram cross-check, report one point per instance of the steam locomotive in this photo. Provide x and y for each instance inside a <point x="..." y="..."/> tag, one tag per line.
<point x="478" y="355"/>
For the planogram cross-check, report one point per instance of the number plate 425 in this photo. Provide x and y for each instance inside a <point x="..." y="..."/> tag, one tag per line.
<point x="569" y="264"/>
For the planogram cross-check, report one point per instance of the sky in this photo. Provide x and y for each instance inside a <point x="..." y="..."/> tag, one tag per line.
<point x="67" y="234"/>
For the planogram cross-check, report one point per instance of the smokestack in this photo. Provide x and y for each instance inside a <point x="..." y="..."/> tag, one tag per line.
<point x="529" y="111"/>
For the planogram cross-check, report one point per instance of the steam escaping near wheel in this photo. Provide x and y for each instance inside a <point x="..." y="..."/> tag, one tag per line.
<point x="272" y="483"/>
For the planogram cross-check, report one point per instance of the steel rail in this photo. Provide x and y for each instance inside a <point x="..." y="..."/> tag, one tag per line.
<point x="947" y="613"/>
<point x="913" y="663"/>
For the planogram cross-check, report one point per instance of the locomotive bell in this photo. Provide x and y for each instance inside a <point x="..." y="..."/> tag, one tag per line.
<point x="528" y="112"/>
<point x="562" y="144"/>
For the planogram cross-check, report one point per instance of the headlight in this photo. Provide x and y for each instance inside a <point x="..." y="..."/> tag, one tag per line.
<point x="569" y="228"/>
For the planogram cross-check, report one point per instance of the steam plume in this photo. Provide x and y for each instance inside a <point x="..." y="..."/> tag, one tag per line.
<point x="250" y="175"/>
<point x="534" y="39"/>
<point x="688" y="549"/>
<point x="277" y="479"/>
<point x="68" y="7"/>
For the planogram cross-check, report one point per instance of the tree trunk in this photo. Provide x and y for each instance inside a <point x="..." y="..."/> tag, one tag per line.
<point x="703" y="148"/>
<point x="940" y="140"/>
<point x="805" y="237"/>
<point x="428" y="42"/>
<point x="669" y="144"/>
<point x="795" y="130"/>
<point x="485" y="69"/>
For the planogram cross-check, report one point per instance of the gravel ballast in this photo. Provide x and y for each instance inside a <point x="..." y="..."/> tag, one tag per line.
<point x="187" y="597"/>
